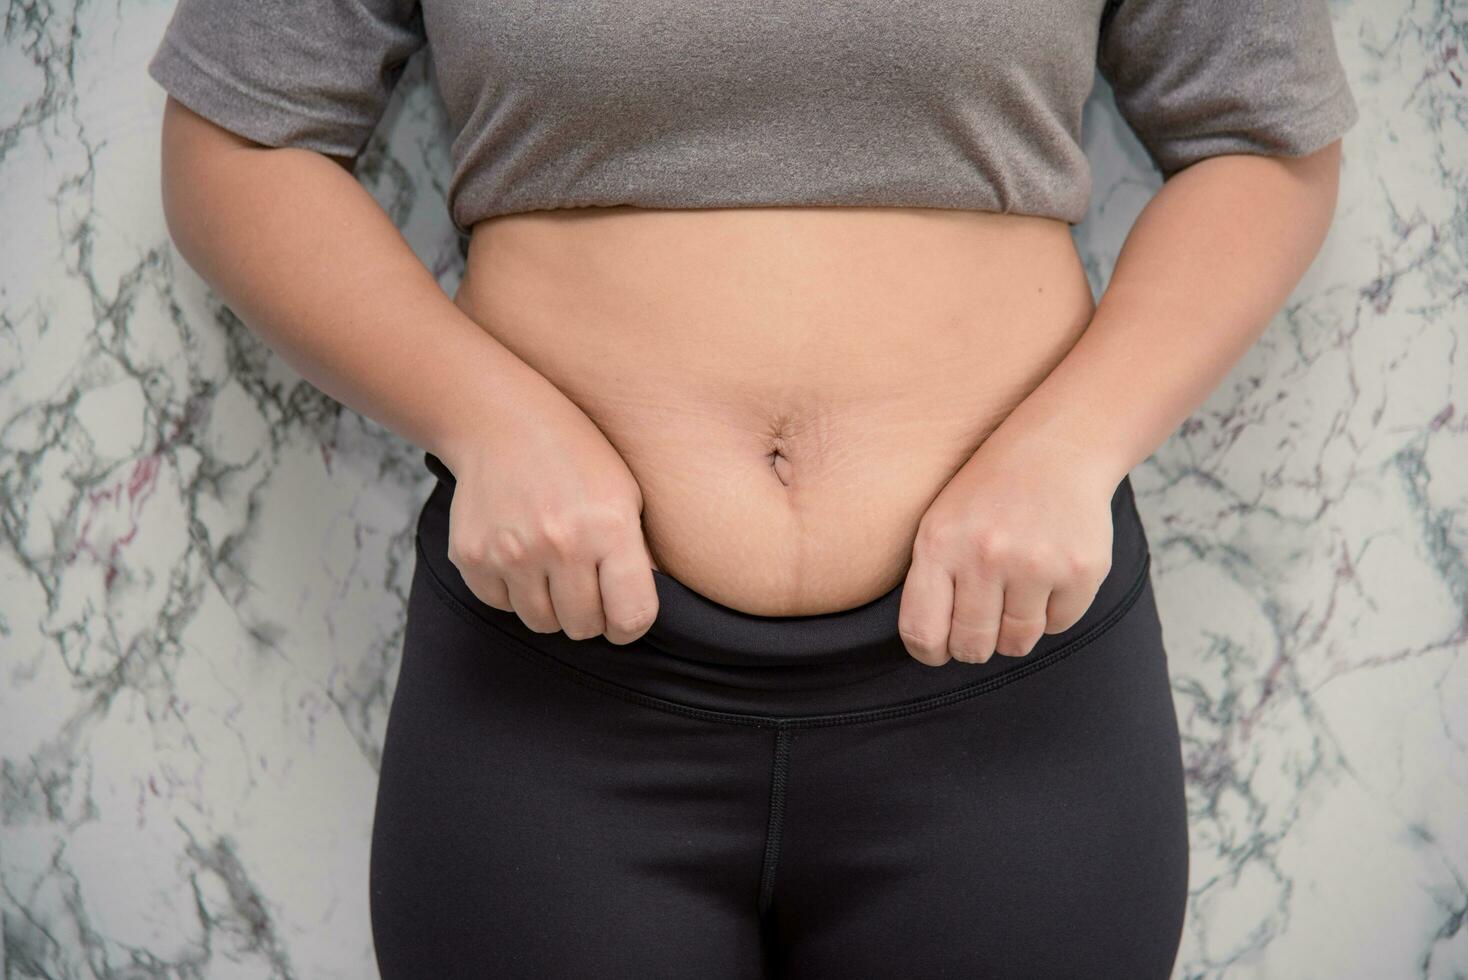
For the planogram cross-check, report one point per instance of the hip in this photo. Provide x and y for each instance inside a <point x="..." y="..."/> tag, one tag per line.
<point x="706" y="660"/>
<point x="728" y="772"/>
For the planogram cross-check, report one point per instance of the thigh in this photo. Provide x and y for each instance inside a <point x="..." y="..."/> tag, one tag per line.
<point x="1038" y="830"/>
<point x="529" y="826"/>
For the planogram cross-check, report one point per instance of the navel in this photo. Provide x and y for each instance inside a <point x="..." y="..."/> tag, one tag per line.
<point x="779" y="462"/>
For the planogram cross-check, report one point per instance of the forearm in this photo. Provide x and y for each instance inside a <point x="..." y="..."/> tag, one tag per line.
<point x="1208" y="263"/>
<point x="304" y="255"/>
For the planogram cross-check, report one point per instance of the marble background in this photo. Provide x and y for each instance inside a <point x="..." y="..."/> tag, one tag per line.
<point x="204" y="561"/>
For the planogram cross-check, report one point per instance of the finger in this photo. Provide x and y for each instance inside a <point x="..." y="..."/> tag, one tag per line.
<point x="629" y="597"/>
<point x="978" y="602"/>
<point x="530" y="595"/>
<point x="575" y="596"/>
<point x="488" y="589"/>
<point x="1024" y="618"/>
<point x="1068" y="605"/>
<point x="926" y="612"/>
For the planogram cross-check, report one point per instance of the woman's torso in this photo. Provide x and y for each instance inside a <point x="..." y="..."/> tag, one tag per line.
<point x="790" y="386"/>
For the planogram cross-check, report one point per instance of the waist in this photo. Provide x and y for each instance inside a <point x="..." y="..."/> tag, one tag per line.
<point x="702" y="656"/>
<point x="790" y="386"/>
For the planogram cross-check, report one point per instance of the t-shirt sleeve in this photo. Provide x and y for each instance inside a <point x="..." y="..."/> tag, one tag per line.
<point x="1199" y="78"/>
<point x="314" y="74"/>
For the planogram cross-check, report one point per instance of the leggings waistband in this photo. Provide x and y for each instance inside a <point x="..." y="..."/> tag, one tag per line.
<point x="699" y="652"/>
<point x="696" y="627"/>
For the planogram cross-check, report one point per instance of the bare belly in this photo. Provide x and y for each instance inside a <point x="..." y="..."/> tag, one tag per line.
<point x="791" y="387"/>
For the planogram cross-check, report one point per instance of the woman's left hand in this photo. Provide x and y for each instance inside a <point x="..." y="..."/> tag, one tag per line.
<point x="1014" y="546"/>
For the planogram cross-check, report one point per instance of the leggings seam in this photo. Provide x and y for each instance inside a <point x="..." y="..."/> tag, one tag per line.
<point x="923" y="703"/>
<point x="776" y="824"/>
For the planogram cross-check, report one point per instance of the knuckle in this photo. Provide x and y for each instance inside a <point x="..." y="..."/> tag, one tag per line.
<point x="1061" y="625"/>
<point x="635" y="622"/>
<point x="507" y="548"/>
<point x="1074" y="565"/>
<point x="918" y="639"/>
<point x="1018" y="642"/>
<point x="494" y="599"/>
<point x="559" y="535"/>
<point x="610" y="519"/>
<point x="992" y="547"/>
<point x="967" y="652"/>
<point x="1035" y="563"/>
<point x="972" y="642"/>
<point x="583" y="630"/>
<point x="1018" y="625"/>
<point x="465" y="554"/>
<point x="972" y="639"/>
<point x="931" y="538"/>
<point x="539" y="622"/>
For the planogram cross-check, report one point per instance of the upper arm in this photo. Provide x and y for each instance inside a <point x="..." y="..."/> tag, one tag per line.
<point x="311" y="74"/>
<point x="1201" y="78"/>
<point x="186" y="134"/>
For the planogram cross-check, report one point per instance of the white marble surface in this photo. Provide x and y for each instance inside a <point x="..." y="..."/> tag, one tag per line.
<point x="204" y="560"/>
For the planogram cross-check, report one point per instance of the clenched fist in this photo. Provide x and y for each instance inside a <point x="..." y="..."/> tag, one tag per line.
<point x="1016" y="545"/>
<point x="546" y="523"/>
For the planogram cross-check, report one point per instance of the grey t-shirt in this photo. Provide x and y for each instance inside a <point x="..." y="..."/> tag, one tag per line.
<point x="972" y="104"/>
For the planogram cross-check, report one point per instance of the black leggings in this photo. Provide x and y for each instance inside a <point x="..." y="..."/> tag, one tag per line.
<point x="736" y="796"/>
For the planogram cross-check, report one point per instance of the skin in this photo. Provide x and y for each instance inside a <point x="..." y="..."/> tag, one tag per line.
<point x="1208" y="263"/>
<point x="789" y="387"/>
<point x="788" y="430"/>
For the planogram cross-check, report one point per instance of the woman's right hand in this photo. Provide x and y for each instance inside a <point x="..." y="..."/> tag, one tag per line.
<point x="546" y="522"/>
